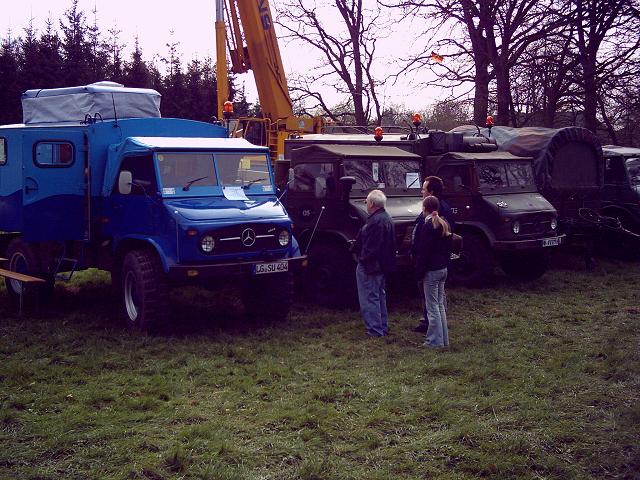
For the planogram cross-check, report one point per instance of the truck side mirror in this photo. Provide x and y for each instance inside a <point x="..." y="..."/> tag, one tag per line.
<point x="124" y="182"/>
<point x="347" y="184"/>
<point x="291" y="176"/>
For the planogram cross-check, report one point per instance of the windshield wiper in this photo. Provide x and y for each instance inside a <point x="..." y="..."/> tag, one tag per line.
<point x="251" y="182"/>
<point x="191" y="182"/>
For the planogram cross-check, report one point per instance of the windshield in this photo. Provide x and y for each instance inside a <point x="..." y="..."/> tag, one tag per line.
<point x="186" y="170"/>
<point x="633" y="167"/>
<point x="496" y="175"/>
<point x="383" y="174"/>
<point x="249" y="171"/>
<point x="198" y="172"/>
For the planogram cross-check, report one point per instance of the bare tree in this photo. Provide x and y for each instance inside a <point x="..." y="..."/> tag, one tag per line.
<point x="348" y="53"/>
<point x="606" y="38"/>
<point x="490" y="39"/>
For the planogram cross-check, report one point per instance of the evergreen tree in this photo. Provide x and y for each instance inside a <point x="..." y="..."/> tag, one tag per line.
<point x="136" y="72"/>
<point x="173" y="85"/>
<point x="47" y="70"/>
<point x="10" y="89"/>
<point x="98" y="58"/>
<point x="115" y="66"/>
<point x="76" y="49"/>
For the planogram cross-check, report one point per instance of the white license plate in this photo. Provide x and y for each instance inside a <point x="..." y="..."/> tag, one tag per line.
<point x="273" y="267"/>
<point x="550" y="242"/>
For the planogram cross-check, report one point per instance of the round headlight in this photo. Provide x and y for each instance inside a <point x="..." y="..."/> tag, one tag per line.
<point x="554" y="224"/>
<point x="207" y="243"/>
<point x="283" y="238"/>
<point x="515" y="226"/>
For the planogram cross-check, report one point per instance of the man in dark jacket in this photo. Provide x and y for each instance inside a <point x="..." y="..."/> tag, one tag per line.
<point x="376" y="253"/>
<point x="431" y="186"/>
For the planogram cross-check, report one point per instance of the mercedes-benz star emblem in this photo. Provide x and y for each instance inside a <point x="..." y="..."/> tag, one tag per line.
<point x="248" y="237"/>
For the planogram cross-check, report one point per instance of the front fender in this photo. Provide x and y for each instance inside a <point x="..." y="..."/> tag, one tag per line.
<point x="486" y="231"/>
<point x="131" y="242"/>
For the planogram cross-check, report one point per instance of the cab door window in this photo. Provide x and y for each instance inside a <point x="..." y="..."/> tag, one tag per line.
<point x="3" y="151"/>
<point x="316" y="178"/>
<point x="613" y="171"/>
<point x="143" y="174"/>
<point x="456" y="179"/>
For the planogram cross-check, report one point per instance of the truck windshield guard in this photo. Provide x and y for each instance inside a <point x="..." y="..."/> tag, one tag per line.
<point x="204" y="173"/>
<point x="384" y="174"/>
<point x="633" y="167"/>
<point x="497" y="175"/>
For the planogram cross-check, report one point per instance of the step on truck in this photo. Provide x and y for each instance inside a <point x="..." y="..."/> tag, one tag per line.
<point x="498" y="210"/>
<point x="95" y="177"/>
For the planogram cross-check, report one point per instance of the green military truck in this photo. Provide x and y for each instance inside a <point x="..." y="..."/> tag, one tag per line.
<point x="498" y="209"/>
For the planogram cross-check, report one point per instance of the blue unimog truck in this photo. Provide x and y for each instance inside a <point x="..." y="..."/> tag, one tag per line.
<point x="94" y="177"/>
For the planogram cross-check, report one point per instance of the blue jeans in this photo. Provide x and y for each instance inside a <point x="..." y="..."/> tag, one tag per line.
<point x="373" y="302"/>
<point x="438" y="333"/>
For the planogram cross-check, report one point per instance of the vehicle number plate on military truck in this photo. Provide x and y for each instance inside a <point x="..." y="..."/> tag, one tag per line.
<point x="273" y="267"/>
<point x="550" y="242"/>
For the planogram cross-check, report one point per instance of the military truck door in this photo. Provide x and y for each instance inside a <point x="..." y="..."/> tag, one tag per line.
<point x="614" y="180"/>
<point x="457" y="180"/>
<point x="55" y="194"/>
<point x="314" y="185"/>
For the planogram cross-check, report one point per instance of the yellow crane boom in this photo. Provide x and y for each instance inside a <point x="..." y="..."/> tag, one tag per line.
<point x="255" y="47"/>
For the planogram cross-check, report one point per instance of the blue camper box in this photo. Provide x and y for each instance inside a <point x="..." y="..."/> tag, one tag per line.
<point x="94" y="177"/>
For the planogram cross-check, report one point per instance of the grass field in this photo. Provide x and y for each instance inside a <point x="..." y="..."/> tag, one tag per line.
<point x="542" y="381"/>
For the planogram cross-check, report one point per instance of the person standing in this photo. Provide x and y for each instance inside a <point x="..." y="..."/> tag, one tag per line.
<point x="376" y="255"/>
<point x="433" y="242"/>
<point x="432" y="186"/>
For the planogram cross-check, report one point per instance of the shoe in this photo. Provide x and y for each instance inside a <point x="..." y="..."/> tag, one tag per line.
<point x="421" y="328"/>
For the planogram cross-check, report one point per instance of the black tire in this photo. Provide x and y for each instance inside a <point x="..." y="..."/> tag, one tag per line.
<point x="268" y="297"/>
<point x="23" y="258"/>
<point x="526" y="265"/>
<point x="331" y="276"/>
<point x="474" y="268"/>
<point x="144" y="291"/>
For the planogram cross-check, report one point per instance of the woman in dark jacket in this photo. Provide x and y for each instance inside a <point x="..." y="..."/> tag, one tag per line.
<point x="433" y="249"/>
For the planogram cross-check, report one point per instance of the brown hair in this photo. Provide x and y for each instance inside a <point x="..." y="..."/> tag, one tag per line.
<point x="434" y="185"/>
<point x="431" y="205"/>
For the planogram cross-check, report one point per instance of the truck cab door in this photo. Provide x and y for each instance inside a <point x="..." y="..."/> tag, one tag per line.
<point x="614" y="181"/>
<point x="55" y="195"/>
<point x="314" y="185"/>
<point x="457" y="182"/>
<point x="135" y="212"/>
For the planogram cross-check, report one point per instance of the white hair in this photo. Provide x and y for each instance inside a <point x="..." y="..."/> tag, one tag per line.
<point x="377" y="199"/>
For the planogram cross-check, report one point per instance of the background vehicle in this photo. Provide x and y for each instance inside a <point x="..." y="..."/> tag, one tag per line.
<point x="568" y="169"/>
<point x="621" y="191"/>
<point x="621" y="198"/>
<point x="95" y="178"/>
<point x="498" y="210"/>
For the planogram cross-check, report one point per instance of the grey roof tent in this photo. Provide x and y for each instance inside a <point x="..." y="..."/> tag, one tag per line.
<point x="104" y="100"/>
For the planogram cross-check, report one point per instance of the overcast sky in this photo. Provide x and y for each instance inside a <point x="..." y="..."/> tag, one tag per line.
<point x="192" y="24"/>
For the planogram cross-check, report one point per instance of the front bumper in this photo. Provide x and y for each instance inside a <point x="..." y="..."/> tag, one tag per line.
<point x="517" y="245"/>
<point x="204" y="271"/>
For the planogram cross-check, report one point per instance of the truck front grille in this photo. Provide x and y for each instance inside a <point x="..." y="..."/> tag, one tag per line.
<point x="535" y="225"/>
<point x="248" y="237"/>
